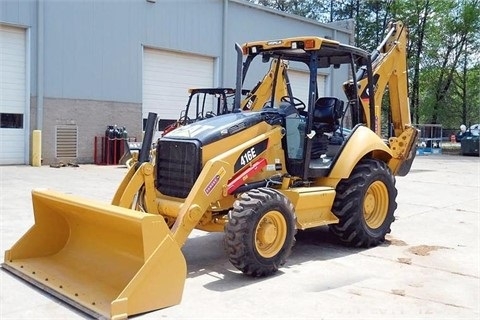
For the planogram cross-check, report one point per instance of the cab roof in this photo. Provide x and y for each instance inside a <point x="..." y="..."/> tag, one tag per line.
<point x="330" y="52"/>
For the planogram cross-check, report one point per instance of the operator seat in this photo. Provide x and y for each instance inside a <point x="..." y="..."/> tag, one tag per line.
<point x="326" y="115"/>
<point x="326" y="120"/>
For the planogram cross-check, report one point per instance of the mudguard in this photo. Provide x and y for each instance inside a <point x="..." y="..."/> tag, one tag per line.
<point x="362" y="141"/>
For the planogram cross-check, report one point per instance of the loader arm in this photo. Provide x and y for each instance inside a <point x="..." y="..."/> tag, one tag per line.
<point x="212" y="184"/>
<point x="137" y="189"/>
<point x="209" y="186"/>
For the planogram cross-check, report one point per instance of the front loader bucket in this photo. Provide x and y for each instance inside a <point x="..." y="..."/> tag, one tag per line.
<point x="107" y="261"/>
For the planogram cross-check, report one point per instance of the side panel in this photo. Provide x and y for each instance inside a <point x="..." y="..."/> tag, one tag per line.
<point x="312" y="206"/>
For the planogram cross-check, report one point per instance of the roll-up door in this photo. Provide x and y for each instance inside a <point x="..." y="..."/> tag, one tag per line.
<point x="168" y="75"/>
<point x="13" y="100"/>
<point x="299" y="82"/>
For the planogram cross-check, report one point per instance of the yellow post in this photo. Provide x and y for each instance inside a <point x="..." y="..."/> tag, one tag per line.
<point x="37" y="148"/>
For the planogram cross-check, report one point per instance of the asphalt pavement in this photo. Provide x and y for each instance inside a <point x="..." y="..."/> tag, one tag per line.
<point x="429" y="268"/>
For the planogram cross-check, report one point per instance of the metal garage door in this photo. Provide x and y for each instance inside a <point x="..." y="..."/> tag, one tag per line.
<point x="167" y="76"/>
<point x="13" y="98"/>
<point x="299" y="82"/>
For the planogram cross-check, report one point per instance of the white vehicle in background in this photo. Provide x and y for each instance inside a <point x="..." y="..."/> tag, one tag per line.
<point x="475" y="129"/>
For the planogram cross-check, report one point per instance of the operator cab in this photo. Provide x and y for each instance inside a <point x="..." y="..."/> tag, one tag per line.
<point x="325" y="137"/>
<point x="206" y="103"/>
<point x="315" y="133"/>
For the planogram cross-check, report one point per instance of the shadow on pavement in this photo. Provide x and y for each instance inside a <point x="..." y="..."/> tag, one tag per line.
<point x="205" y="255"/>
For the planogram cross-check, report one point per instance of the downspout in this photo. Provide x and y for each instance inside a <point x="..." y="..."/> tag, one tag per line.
<point x="223" y="73"/>
<point x="40" y="63"/>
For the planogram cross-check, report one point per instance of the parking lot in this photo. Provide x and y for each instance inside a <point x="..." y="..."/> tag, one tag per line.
<point x="428" y="269"/>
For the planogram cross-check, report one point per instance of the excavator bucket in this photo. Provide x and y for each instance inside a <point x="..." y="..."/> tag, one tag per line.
<point x="107" y="261"/>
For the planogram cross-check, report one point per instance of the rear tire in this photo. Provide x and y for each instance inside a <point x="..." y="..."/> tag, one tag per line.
<point x="365" y="204"/>
<point x="260" y="232"/>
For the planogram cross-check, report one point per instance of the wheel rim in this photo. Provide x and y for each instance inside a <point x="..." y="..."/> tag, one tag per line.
<point x="375" y="204"/>
<point x="270" y="234"/>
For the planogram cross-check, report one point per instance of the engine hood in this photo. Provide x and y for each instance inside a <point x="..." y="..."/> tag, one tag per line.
<point x="213" y="129"/>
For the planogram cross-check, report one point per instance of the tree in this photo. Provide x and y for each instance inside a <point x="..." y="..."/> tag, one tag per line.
<point x="450" y="54"/>
<point x="309" y="8"/>
<point x="415" y="14"/>
<point x="466" y="88"/>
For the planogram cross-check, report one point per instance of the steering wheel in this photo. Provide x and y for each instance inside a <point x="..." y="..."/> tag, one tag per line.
<point x="297" y="103"/>
<point x="210" y="114"/>
<point x="184" y="120"/>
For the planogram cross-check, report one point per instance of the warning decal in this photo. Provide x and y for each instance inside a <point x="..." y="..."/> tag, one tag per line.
<point x="213" y="183"/>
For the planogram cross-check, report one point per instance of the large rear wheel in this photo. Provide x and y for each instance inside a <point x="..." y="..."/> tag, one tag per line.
<point x="365" y="204"/>
<point x="260" y="232"/>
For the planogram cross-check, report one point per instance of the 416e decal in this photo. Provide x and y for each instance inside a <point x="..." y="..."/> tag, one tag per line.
<point x="249" y="154"/>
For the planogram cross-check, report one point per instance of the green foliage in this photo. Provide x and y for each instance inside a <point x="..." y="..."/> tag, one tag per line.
<point x="450" y="64"/>
<point x="308" y="9"/>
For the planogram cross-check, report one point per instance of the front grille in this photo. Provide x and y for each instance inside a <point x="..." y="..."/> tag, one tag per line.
<point x="178" y="166"/>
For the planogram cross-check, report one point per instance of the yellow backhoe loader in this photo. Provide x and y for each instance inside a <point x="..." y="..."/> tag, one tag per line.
<point x="258" y="176"/>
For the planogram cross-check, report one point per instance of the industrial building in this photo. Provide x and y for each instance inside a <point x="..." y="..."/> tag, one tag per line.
<point x="70" y="68"/>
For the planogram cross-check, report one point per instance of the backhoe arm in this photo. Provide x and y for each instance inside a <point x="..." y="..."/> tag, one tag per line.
<point x="390" y="70"/>
<point x="275" y="81"/>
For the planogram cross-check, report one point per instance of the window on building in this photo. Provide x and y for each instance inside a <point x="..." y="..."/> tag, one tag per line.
<point x="11" y="120"/>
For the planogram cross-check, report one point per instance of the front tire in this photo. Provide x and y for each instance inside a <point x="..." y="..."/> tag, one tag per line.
<point x="365" y="204"/>
<point x="260" y="232"/>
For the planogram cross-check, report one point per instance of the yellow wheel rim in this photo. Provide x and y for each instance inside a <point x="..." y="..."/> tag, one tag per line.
<point x="375" y="204"/>
<point x="270" y="234"/>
